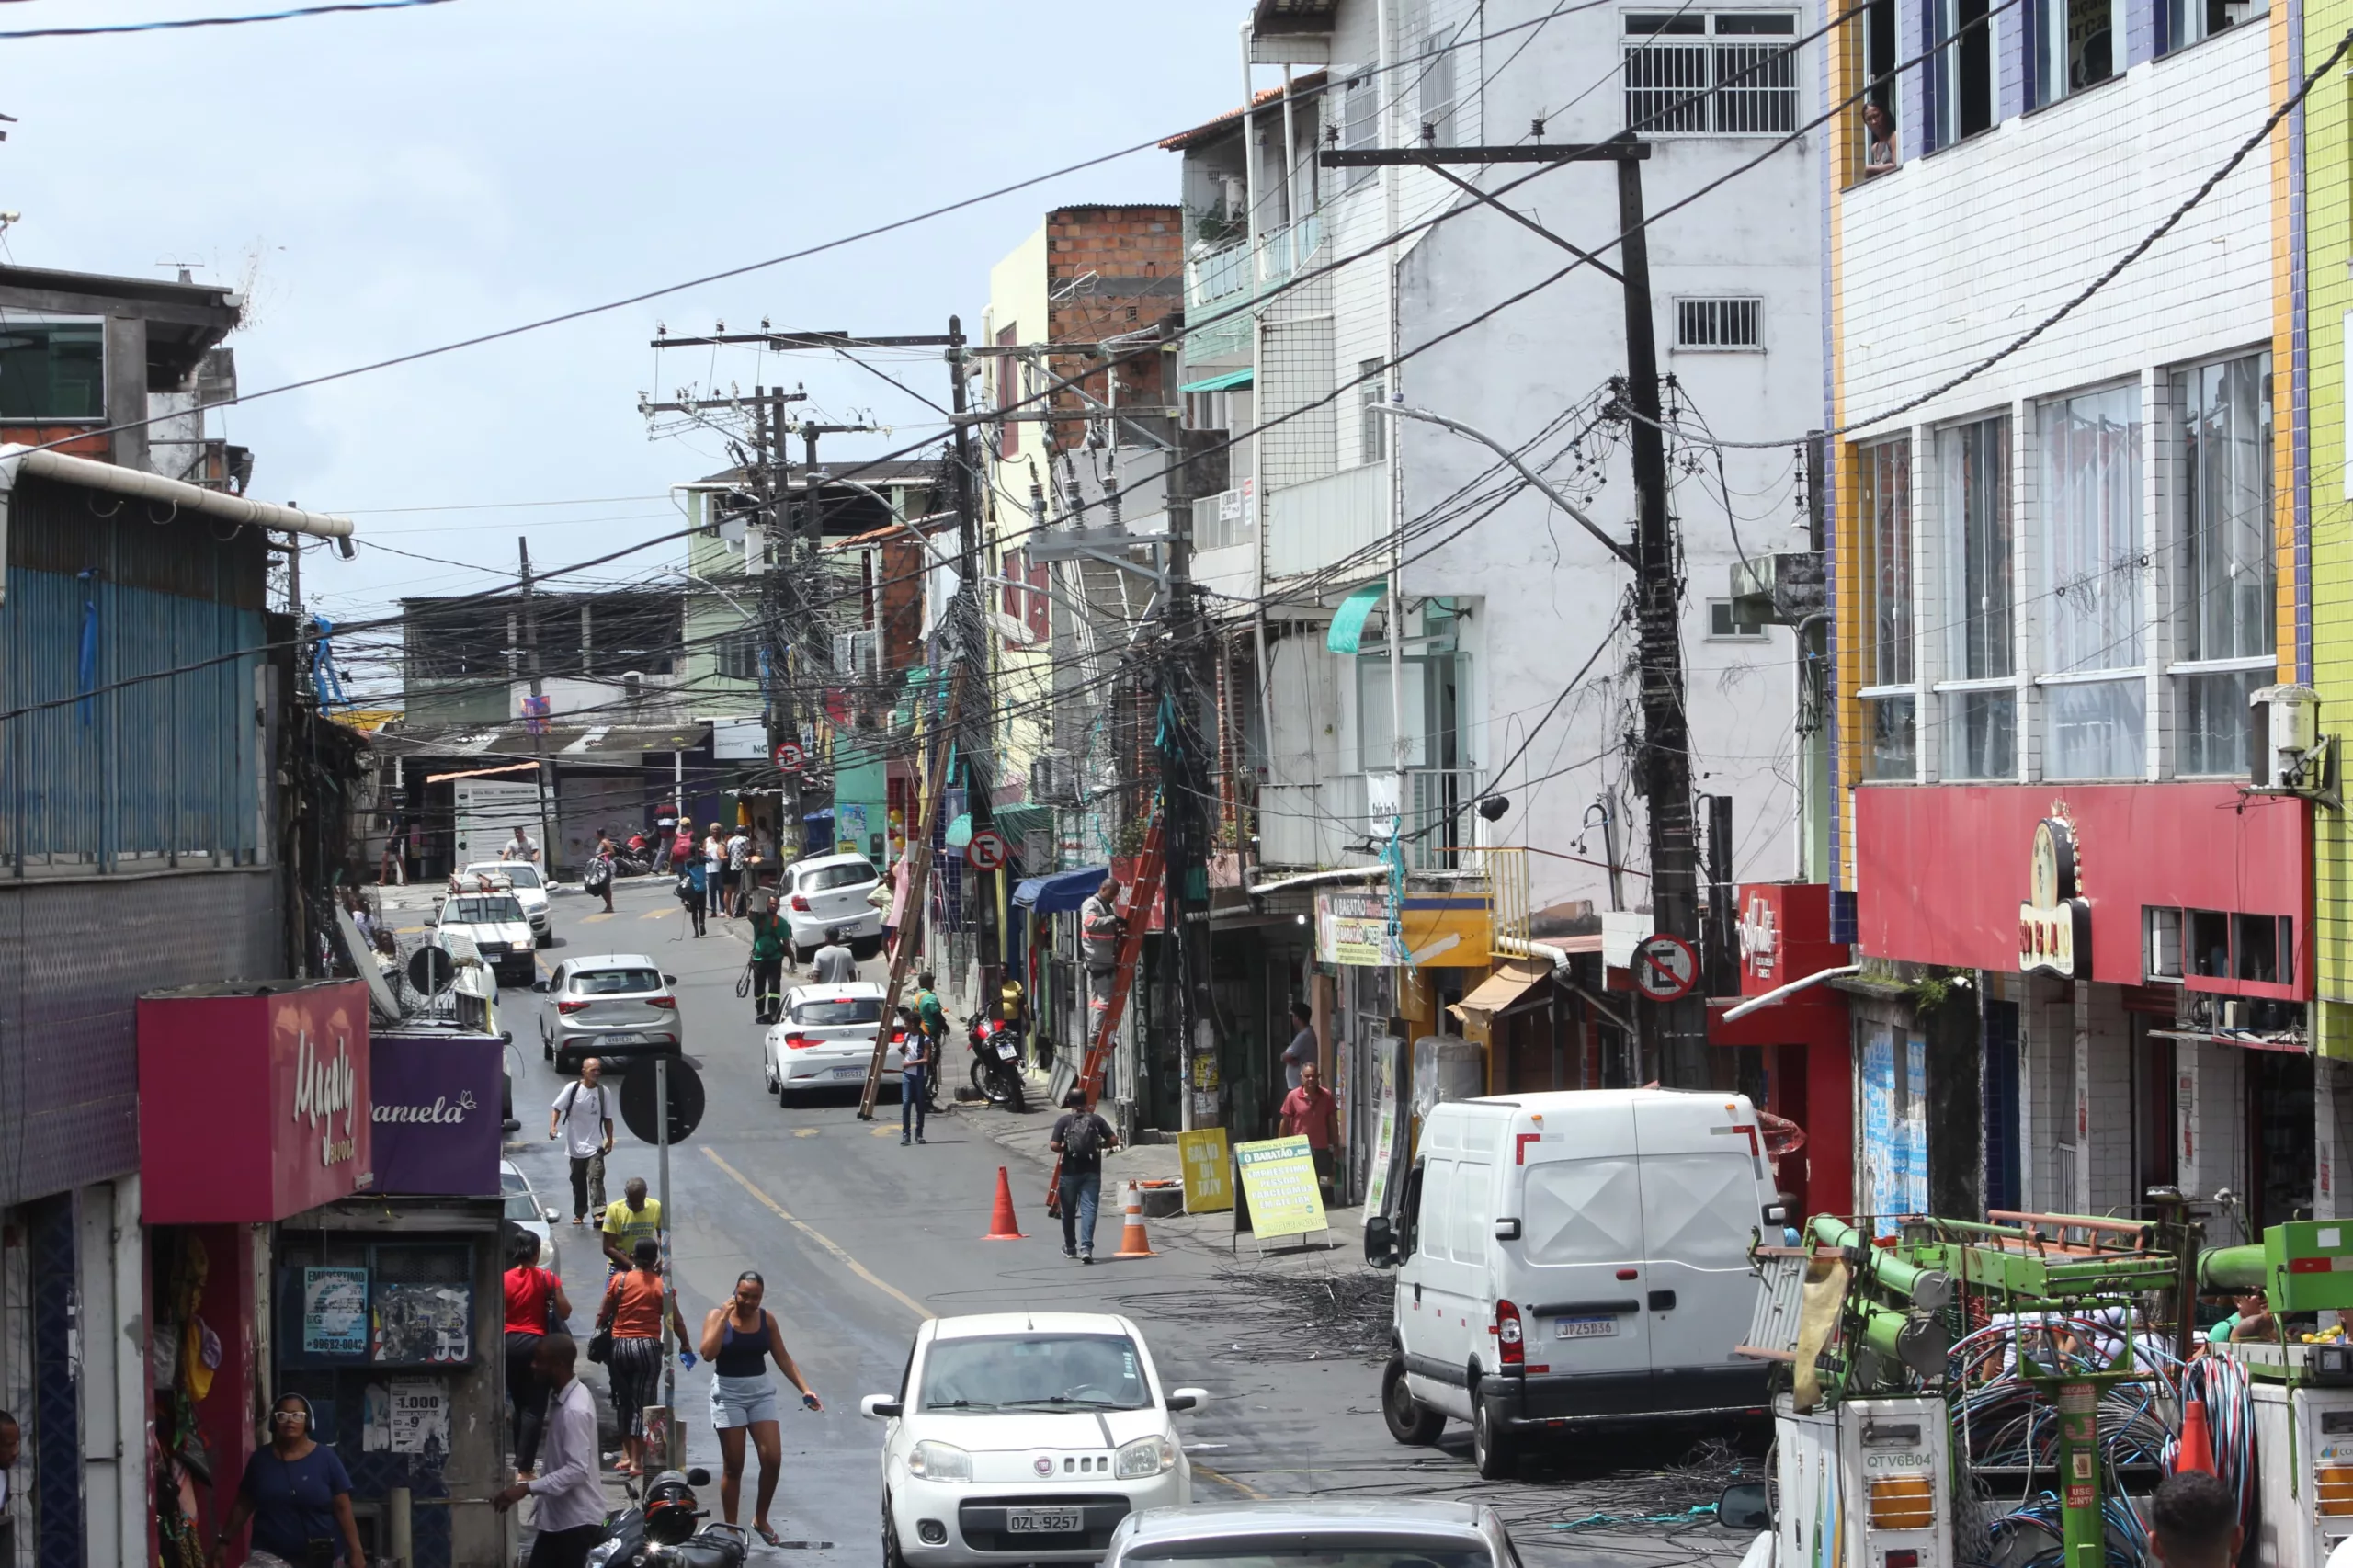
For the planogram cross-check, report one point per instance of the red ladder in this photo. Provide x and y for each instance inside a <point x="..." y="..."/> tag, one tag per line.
<point x="1136" y="912"/>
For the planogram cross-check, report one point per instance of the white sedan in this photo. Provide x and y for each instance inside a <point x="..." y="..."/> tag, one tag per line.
<point x="826" y="1038"/>
<point x="1028" y="1436"/>
<point x="518" y="877"/>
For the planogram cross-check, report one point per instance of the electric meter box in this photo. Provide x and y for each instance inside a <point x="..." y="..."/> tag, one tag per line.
<point x="2303" y="1444"/>
<point x="1865" y="1484"/>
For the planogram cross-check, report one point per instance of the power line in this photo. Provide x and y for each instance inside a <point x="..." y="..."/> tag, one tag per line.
<point x="185" y="23"/>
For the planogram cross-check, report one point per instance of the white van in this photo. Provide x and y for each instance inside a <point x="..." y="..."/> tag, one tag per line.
<point x="1574" y="1257"/>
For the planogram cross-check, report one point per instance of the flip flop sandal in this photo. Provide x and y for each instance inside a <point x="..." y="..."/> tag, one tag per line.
<point x="767" y="1532"/>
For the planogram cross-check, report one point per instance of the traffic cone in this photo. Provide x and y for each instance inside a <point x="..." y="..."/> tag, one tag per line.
<point x="1132" y="1241"/>
<point x="1002" y="1225"/>
<point x="2197" y="1448"/>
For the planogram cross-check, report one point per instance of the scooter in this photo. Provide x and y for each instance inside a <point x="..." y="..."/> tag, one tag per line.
<point x="661" y="1531"/>
<point x="996" y="1061"/>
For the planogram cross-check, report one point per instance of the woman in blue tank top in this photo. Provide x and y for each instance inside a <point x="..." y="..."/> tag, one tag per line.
<point x="737" y="1340"/>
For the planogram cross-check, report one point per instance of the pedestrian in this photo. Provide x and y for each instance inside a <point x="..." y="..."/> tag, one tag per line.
<point x="764" y="842"/>
<point x="1302" y="1047"/>
<point x="1082" y="1139"/>
<point x="1310" y="1112"/>
<point x="737" y="1340"/>
<point x="768" y="960"/>
<point x="522" y="846"/>
<point x="2194" y="1522"/>
<point x="835" y="963"/>
<point x="297" y="1495"/>
<point x="597" y="876"/>
<point x="682" y="847"/>
<point x="885" y="900"/>
<point x="12" y="1439"/>
<point x="2250" y="1320"/>
<point x="692" y="885"/>
<point x="1100" y="935"/>
<point x="571" y="1519"/>
<point x="536" y="1307"/>
<point x="920" y="1056"/>
<point x="628" y="1223"/>
<point x="583" y="1114"/>
<point x="392" y="872"/>
<point x="714" y="870"/>
<point x="633" y="1315"/>
<point x="739" y="859"/>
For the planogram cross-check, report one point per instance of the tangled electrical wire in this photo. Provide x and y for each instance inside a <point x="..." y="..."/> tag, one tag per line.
<point x="1270" y="1316"/>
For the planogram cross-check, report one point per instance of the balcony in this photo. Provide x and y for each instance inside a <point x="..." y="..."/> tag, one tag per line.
<point x="1331" y="822"/>
<point x="1310" y="526"/>
<point x="1221" y="279"/>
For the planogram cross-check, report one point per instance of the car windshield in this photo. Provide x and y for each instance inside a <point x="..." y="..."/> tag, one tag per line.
<point x="519" y="1206"/>
<point x="521" y="876"/>
<point x="1035" y="1372"/>
<point x="614" y="981"/>
<point x="478" y="910"/>
<point x="1357" y="1553"/>
<point x="512" y="1181"/>
<point x="841" y="1010"/>
<point x="824" y="879"/>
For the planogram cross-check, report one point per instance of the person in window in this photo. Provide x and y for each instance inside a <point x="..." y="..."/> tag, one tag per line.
<point x="1880" y="155"/>
<point x="297" y="1495"/>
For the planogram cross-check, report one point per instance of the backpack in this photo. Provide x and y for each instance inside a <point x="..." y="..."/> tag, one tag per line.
<point x="1083" y="1145"/>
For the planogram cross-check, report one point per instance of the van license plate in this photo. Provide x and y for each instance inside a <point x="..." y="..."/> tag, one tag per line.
<point x="1043" y="1521"/>
<point x="1584" y="1328"/>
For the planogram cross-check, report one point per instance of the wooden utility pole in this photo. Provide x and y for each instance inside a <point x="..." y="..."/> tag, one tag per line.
<point x="918" y="889"/>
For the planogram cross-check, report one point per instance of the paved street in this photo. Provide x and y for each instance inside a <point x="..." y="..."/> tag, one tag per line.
<point x="859" y="1238"/>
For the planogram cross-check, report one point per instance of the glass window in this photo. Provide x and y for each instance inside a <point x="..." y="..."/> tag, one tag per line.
<point x="1961" y="74"/>
<point x="839" y="1011"/>
<point x="2071" y="45"/>
<point x="1359" y="122"/>
<point x="2161" y="943"/>
<point x="2094" y="729"/>
<point x="2229" y="569"/>
<point x="1372" y="436"/>
<point x="1891" y="722"/>
<point x="486" y="910"/>
<point x="1974" y="460"/>
<point x="52" y="370"/>
<point x="1732" y="74"/>
<point x="1003" y="1371"/>
<point x="2093" y="565"/>
<point x="615" y="982"/>
<point x="2213" y="724"/>
<point x="824" y="879"/>
<point x="2187" y="21"/>
<point x="1982" y="738"/>
<point x="1886" y="564"/>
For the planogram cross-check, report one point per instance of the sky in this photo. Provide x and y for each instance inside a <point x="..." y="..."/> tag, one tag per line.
<point x="383" y="183"/>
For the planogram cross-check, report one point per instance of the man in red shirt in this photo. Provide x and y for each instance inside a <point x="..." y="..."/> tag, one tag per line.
<point x="1310" y="1111"/>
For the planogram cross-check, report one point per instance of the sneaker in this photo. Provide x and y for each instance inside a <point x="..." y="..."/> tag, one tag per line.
<point x="918" y="1137"/>
<point x="1086" y="1258"/>
<point x="903" y="1139"/>
<point x="1070" y="1252"/>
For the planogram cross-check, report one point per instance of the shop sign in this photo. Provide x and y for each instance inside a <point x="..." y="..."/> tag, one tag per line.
<point x="325" y="1089"/>
<point x="1759" y="937"/>
<point x="1442" y="929"/>
<point x="2055" y="923"/>
<point x="1278" y="1185"/>
<point x="436" y="1098"/>
<point x="1202" y="1155"/>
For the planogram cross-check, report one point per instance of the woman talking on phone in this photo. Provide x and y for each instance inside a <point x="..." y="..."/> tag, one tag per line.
<point x="737" y="1340"/>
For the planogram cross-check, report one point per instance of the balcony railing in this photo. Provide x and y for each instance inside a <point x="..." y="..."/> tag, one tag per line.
<point x="1217" y="277"/>
<point x="1312" y="525"/>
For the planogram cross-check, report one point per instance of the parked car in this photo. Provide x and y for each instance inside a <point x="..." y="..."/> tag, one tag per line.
<point x="614" y="1005"/>
<point x="501" y="932"/>
<point x="518" y="877"/>
<point x="1574" y="1257"/>
<point x="1025" y="1433"/>
<point x="526" y="1213"/>
<point x="826" y="1037"/>
<point x="829" y="893"/>
<point x="1382" y="1533"/>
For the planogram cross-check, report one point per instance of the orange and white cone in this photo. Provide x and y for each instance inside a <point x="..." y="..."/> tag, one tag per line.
<point x="1002" y="1226"/>
<point x="1134" y="1243"/>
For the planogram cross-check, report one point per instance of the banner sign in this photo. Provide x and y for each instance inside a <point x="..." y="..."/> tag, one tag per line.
<point x="1443" y="929"/>
<point x="1204" y="1157"/>
<point x="437" y="1113"/>
<point x="334" y="1311"/>
<point x="1278" y="1182"/>
<point x="1388" y="1057"/>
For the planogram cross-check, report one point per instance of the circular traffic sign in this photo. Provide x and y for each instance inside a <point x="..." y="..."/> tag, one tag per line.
<point x="637" y="1101"/>
<point x="987" y="851"/>
<point x="1664" y="967"/>
<point x="430" y="971"/>
<point x="788" y="754"/>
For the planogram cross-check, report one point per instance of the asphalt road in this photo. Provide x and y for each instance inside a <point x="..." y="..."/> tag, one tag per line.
<point x="859" y="1239"/>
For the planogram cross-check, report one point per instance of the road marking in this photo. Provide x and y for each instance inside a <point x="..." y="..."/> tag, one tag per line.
<point x="592" y="919"/>
<point x="1242" y="1486"/>
<point x="880" y="1132"/>
<point x="656" y="915"/>
<point x="822" y="1240"/>
<point x="409" y="930"/>
<point x="805" y="1132"/>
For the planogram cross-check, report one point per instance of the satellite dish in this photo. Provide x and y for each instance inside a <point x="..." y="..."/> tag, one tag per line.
<point x="362" y="958"/>
<point x="430" y="971"/>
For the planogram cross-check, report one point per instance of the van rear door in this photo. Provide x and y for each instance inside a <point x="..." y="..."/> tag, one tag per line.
<point x="1702" y="1199"/>
<point x="1582" y="1250"/>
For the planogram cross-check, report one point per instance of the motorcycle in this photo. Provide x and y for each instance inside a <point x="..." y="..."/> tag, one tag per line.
<point x="996" y="1061"/>
<point x="661" y="1533"/>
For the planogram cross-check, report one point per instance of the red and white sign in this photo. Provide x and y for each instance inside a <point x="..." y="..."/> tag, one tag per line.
<point x="1664" y="967"/>
<point x="254" y="1101"/>
<point x="788" y="754"/>
<point x="987" y="851"/>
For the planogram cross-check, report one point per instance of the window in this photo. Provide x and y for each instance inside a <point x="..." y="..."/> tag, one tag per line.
<point x="52" y="370"/>
<point x="2071" y="45"/>
<point x="2210" y="944"/>
<point x="737" y="654"/>
<point x="1359" y="123"/>
<point x="2161" y="943"/>
<point x="1208" y="411"/>
<point x="1974" y="471"/>
<point x="1719" y="323"/>
<point x="1727" y="624"/>
<point x="1885" y="565"/>
<point x="1434" y="89"/>
<point x="2228" y="576"/>
<point x="2187" y="21"/>
<point x="1008" y="393"/>
<point x="1372" y="436"/>
<point x="1729" y="73"/>
<point x="2093" y="566"/>
<point x="1961" y="74"/>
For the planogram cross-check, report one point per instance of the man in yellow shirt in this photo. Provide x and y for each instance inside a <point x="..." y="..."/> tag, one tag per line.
<point x="634" y="1216"/>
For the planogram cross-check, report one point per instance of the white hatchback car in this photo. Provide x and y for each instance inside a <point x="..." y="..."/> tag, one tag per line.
<point x="1024" y="1437"/>
<point x="826" y="1038"/>
<point x="518" y="877"/>
<point x="830" y="893"/>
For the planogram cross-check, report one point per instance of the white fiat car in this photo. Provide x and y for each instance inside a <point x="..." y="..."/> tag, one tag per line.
<point x="1024" y="1437"/>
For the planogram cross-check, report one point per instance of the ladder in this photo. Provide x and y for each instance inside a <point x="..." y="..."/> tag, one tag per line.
<point x="1135" y="907"/>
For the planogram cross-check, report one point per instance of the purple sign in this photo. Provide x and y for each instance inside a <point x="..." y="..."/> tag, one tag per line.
<point x="437" y="1113"/>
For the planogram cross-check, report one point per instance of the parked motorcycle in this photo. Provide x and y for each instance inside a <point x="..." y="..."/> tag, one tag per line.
<point x="996" y="1061"/>
<point x="661" y="1533"/>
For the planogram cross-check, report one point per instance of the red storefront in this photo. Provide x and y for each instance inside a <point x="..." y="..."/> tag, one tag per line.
<point x="1802" y="1040"/>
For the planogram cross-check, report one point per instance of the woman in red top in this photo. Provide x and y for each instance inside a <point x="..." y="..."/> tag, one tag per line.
<point x="534" y="1299"/>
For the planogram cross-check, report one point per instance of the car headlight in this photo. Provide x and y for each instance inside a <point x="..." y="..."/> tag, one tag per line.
<point x="1145" y="1457"/>
<point x="940" y="1461"/>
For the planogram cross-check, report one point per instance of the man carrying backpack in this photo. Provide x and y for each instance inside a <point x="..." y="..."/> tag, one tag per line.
<point x="1082" y="1139"/>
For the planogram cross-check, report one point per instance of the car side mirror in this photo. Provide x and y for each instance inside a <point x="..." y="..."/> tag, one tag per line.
<point x="1507" y="1230"/>
<point x="540" y="986"/>
<point x="552" y="1216"/>
<point x="879" y="1407"/>
<point x="1379" y="1242"/>
<point x="669" y="980"/>
<point x="1744" y="1506"/>
<point x="1187" y="1398"/>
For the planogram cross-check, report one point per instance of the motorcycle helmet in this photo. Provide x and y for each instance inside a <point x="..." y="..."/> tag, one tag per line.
<point x="670" y="1509"/>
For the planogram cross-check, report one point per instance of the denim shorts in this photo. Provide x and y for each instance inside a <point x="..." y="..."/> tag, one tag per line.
<point x="739" y="1402"/>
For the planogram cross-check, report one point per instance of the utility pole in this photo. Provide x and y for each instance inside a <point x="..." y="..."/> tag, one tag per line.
<point x="1184" y="794"/>
<point x="535" y="719"/>
<point x="973" y="653"/>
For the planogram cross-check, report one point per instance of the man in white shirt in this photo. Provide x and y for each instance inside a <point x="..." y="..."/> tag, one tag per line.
<point x="571" y="1519"/>
<point x="583" y="1114"/>
<point x="714" y="864"/>
<point x="739" y="856"/>
<point x="835" y="963"/>
<point x="522" y="846"/>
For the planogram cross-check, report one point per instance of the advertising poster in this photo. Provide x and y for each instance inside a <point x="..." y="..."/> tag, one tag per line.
<point x="1353" y="928"/>
<point x="1203" y="1153"/>
<point x="417" y="1416"/>
<point x="334" y="1311"/>
<point x="1388" y="1054"/>
<point x="1278" y="1182"/>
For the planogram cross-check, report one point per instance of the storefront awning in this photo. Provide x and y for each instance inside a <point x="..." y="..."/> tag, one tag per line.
<point x="1062" y="892"/>
<point x="1226" y="382"/>
<point x="1506" y="987"/>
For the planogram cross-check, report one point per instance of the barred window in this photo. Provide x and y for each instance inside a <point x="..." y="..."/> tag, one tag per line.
<point x="739" y="654"/>
<point x="1722" y="74"/>
<point x="1719" y="323"/>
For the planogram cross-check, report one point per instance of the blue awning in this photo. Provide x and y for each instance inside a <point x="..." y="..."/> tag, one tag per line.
<point x="1347" y="630"/>
<point x="1225" y="382"/>
<point x="1062" y="891"/>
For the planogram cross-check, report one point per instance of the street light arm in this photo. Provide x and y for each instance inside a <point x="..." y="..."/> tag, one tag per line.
<point x="1543" y="486"/>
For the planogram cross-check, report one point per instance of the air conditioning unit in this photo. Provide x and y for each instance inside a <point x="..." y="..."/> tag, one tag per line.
<point x="2283" y="738"/>
<point x="1052" y="780"/>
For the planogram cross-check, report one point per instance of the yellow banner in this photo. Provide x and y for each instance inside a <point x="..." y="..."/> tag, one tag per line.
<point x="1278" y="1179"/>
<point x="1208" y="1189"/>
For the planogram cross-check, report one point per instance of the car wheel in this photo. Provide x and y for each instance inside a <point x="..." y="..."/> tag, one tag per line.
<point x="1493" y="1448"/>
<point x="768" y="1071"/>
<point x="892" y="1556"/>
<point x="786" y="1096"/>
<point x="1410" y="1421"/>
<point x="544" y="940"/>
<point x="546" y="1045"/>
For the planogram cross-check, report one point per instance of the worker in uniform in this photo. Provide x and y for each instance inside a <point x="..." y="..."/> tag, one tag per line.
<point x="768" y="949"/>
<point x="1101" y="930"/>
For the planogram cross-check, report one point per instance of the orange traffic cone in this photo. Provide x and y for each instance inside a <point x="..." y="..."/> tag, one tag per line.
<point x="1002" y="1226"/>
<point x="1132" y="1241"/>
<point x="2197" y="1448"/>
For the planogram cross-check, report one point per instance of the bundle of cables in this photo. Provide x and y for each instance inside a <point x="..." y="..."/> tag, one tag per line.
<point x="2221" y="1384"/>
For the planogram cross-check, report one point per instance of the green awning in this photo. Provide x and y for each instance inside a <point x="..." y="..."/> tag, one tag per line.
<point x="959" y="832"/>
<point x="1348" y="622"/>
<point x="1226" y="382"/>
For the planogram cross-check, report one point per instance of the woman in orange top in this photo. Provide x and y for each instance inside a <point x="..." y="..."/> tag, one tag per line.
<point x="632" y="1311"/>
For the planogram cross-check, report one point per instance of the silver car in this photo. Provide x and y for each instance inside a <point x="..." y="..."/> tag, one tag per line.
<point x="614" y="1005"/>
<point x="1390" y="1533"/>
